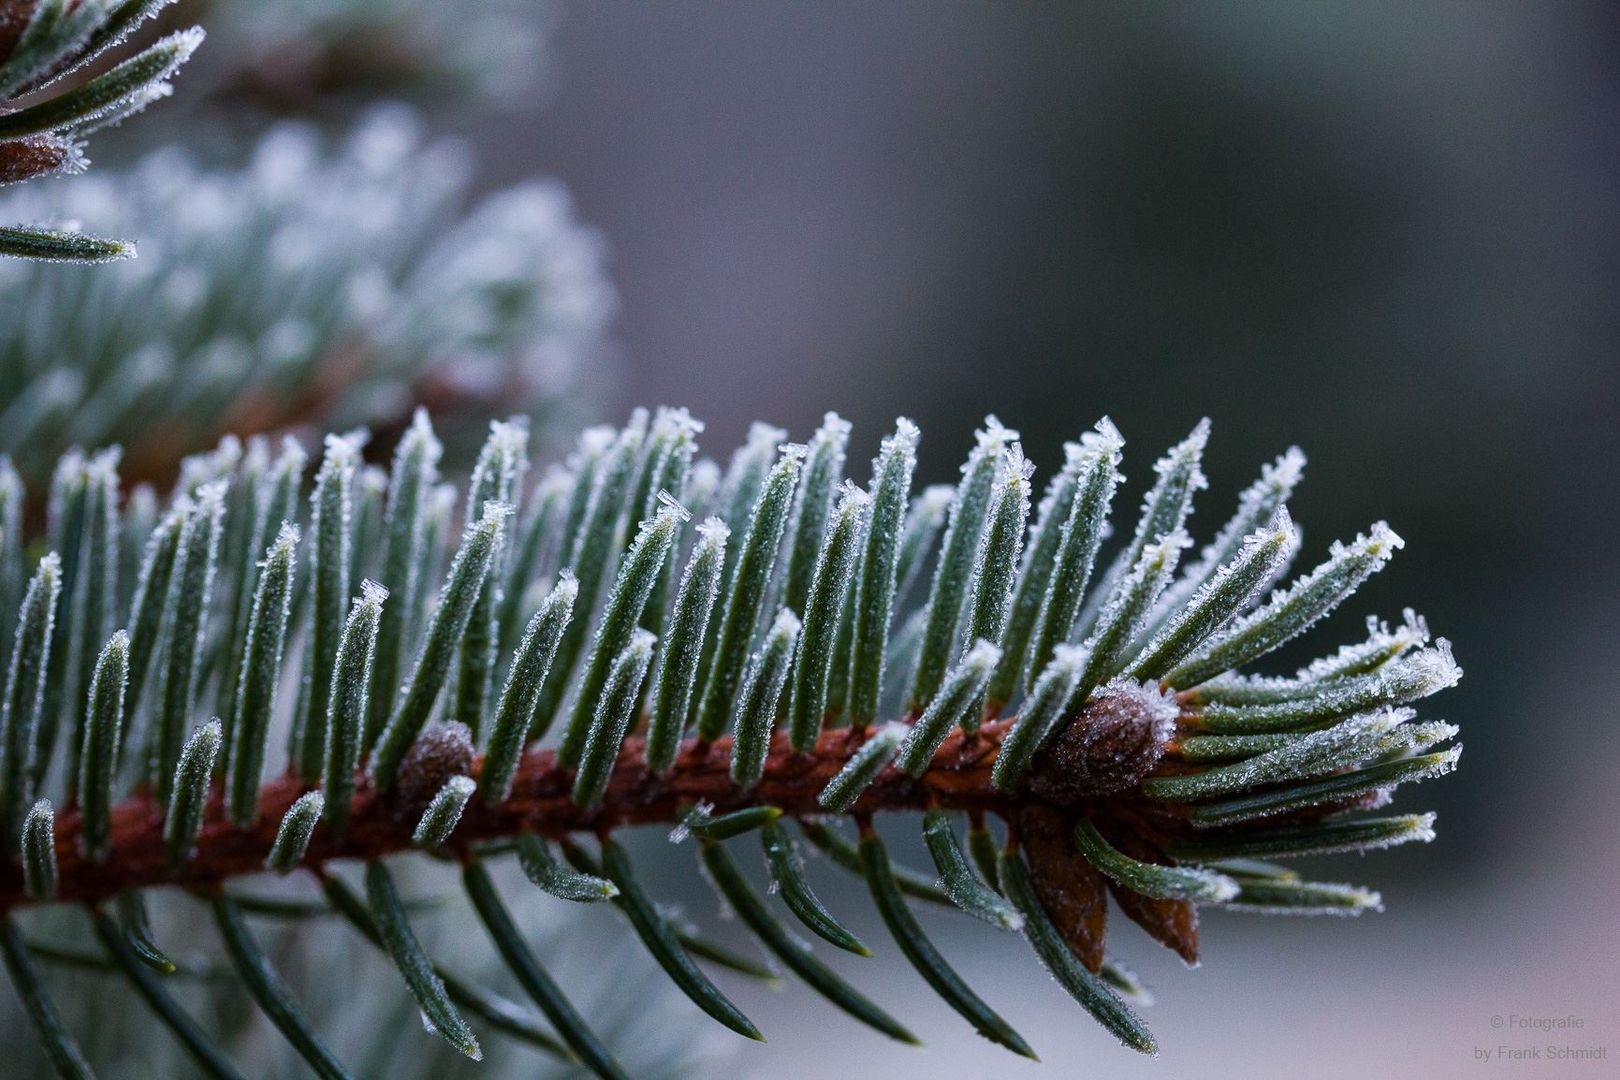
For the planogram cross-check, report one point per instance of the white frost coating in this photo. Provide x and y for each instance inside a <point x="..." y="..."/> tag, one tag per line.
<point x="962" y="891"/>
<point x="934" y="500"/>
<point x="852" y="498"/>
<point x="494" y="516"/>
<point x="1065" y="656"/>
<point x="786" y="624"/>
<point x="1403" y="739"/>
<point x="442" y="816"/>
<point x="1015" y="466"/>
<point x="1186" y="456"/>
<point x="1295" y="543"/>
<point x="1356" y="901"/>
<point x="1157" y="704"/>
<point x="843" y="790"/>
<point x="1346" y="743"/>
<point x="1048" y="515"/>
<point x="372" y="480"/>
<point x="441" y="501"/>
<point x="1421" y="831"/>
<point x="1104" y="440"/>
<point x="1084" y="526"/>
<point x="342" y="452"/>
<point x="508" y="442"/>
<point x="1269" y="493"/>
<point x="764" y="438"/>
<point x="669" y="501"/>
<point x="834" y="431"/>
<point x="1151" y="879"/>
<point x="1382" y="645"/>
<point x="1165" y="509"/>
<point x="992" y="437"/>
<point x="891" y="731"/>
<point x="678" y="418"/>
<point x="554" y="483"/>
<point x="1193" y="619"/>
<point x="683" y="828"/>
<point x="1261" y="501"/>
<point x="703" y="483"/>
<point x="593" y="443"/>
<point x="1013" y="472"/>
<point x="1425" y="672"/>
<point x="713" y="530"/>
<point x="1415" y="738"/>
<point x="567" y="588"/>
<point x="1129" y="604"/>
<point x="175" y="49"/>
<point x="371" y="592"/>
<point x="1402" y="677"/>
<point x="1292" y="611"/>
<point x="981" y="658"/>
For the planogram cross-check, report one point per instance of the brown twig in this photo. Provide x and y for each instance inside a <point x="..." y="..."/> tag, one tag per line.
<point x="959" y="778"/>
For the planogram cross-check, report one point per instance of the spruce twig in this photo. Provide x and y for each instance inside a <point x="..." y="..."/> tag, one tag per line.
<point x="1111" y="734"/>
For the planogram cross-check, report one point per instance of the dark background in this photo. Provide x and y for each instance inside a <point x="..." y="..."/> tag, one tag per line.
<point x="1385" y="232"/>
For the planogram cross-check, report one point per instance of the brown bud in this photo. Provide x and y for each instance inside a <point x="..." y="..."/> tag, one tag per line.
<point x="24" y="159"/>
<point x="1172" y="923"/>
<point x="1070" y="888"/>
<point x="440" y="752"/>
<point x="14" y="17"/>
<point x="1110" y="746"/>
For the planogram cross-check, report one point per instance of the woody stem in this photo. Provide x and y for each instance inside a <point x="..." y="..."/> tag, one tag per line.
<point x="540" y="802"/>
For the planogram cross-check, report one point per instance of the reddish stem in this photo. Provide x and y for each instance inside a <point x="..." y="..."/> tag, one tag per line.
<point x="959" y="778"/>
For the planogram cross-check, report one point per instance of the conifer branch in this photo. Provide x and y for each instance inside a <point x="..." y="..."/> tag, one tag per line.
<point x="1109" y="740"/>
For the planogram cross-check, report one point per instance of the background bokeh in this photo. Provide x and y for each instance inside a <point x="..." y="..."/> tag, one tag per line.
<point x="1387" y="232"/>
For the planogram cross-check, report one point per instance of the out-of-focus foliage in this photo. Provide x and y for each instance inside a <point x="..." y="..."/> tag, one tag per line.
<point x="316" y="285"/>
<point x="44" y="46"/>
<point x="651" y="1030"/>
<point x="302" y="55"/>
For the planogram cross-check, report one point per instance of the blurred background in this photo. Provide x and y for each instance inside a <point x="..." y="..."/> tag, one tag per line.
<point x="1385" y="232"/>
